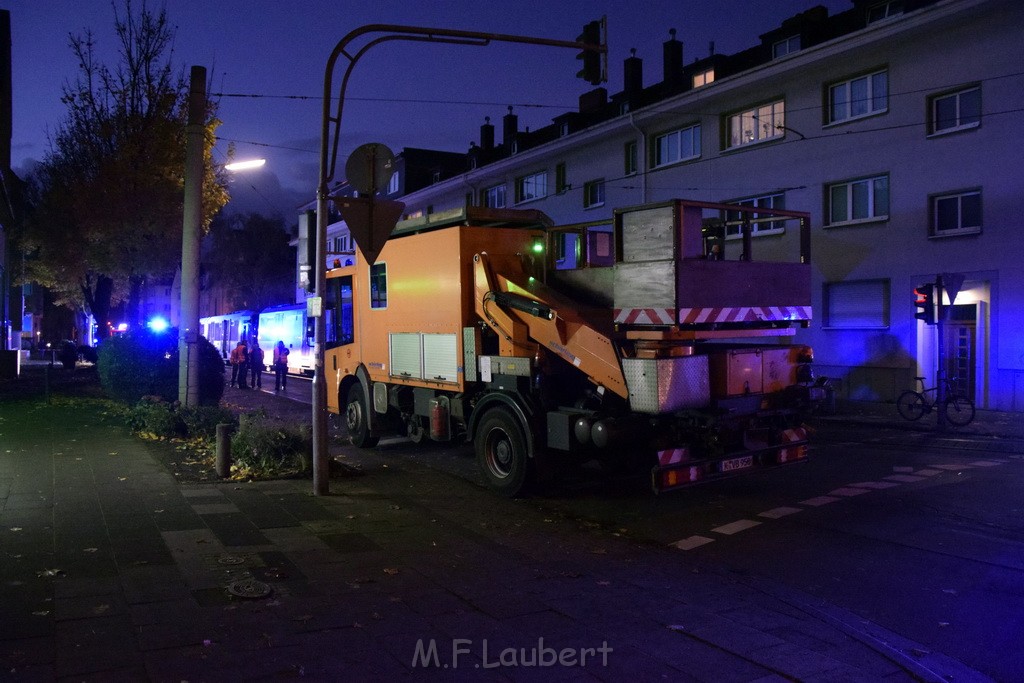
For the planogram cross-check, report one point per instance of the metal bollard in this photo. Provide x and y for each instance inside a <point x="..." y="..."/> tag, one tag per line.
<point x="224" y="451"/>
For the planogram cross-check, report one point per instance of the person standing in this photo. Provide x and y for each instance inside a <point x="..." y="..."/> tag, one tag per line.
<point x="280" y="366"/>
<point x="239" y="364"/>
<point x="256" y="364"/>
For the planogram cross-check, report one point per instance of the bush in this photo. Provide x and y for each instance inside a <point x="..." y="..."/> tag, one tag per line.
<point x="202" y="421"/>
<point x="154" y="417"/>
<point x="260" y="447"/>
<point x="145" y="363"/>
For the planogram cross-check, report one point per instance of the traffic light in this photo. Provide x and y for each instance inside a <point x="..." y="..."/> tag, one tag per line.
<point x="925" y="302"/>
<point x="593" y="59"/>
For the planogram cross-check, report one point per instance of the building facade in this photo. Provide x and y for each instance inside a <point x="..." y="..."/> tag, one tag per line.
<point x="891" y="123"/>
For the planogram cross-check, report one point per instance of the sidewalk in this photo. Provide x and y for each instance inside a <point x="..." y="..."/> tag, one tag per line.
<point x="111" y="570"/>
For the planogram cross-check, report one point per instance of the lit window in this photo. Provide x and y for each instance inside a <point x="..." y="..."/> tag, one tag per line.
<point x="956" y="214"/>
<point x="393" y="183"/>
<point x="703" y="78"/>
<point x="494" y="197"/>
<point x="858" y="97"/>
<point x="378" y="285"/>
<point x="864" y="199"/>
<point x="856" y="304"/>
<point x="765" y="122"/>
<point x="677" y="145"/>
<point x="955" y="111"/>
<point x="629" y="158"/>
<point x="785" y="47"/>
<point x="593" y="193"/>
<point x="770" y="201"/>
<point x="885" y="10"/>
<point x="530" y="187"/>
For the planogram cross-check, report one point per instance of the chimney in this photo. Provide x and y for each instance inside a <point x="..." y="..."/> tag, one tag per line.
<point x="593" y="100"/>
<point x="487" y="135"/>
<point x="672" y="51"/>
<point x="633" y="74"/>
<point x="510" y="128"/>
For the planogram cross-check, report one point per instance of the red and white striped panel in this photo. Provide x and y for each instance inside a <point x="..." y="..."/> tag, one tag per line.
<point x="644" y="316"/>
<point x="740" y="314"/>
<point x="672" y="456"/>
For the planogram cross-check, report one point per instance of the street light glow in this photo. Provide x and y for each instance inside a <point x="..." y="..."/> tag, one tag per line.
<point x="245" y="165"/>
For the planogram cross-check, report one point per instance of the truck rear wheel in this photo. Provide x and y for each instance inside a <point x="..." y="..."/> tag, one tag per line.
<point x="355" y="419"/>
<point x="501" y="453"/>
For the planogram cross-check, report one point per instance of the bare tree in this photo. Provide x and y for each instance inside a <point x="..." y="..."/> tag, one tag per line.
<point x="110" y="191"/>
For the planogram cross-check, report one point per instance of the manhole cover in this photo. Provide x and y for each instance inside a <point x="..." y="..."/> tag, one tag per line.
<point x="249" y="588"/>
<point x="230" y="559"/>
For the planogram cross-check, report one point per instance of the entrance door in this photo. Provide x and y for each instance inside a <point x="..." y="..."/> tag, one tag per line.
<point x="961" y="347"/>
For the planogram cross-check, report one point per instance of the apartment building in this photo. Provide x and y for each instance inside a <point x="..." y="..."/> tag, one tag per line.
<point x="892" y="123"/>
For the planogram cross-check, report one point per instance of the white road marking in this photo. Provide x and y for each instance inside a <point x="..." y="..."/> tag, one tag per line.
<point x="736" y="527"/>
<point x="904" y="478"/>
<point x="776" y="513"/>
<point x="820" y="500"/>
<point x="954" y="467"/>
<point x="928" y="472"/>
<point x="875" y="484"/>
<point x="692" y="542"/>
<point x="847" y="491"/>
<point x="985" y="463"/>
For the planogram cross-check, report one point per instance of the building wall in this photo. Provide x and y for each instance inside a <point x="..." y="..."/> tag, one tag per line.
<point x="930" y="51"/>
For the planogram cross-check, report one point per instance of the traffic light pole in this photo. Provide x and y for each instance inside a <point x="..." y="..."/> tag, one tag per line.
<point x="328" y="162"/>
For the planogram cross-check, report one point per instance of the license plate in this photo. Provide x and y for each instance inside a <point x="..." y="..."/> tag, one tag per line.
<point x="736" y="464"/>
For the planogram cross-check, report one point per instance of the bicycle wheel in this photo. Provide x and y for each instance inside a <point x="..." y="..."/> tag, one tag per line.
<point x="911" y="405"/>
<point x="959" y="411"/>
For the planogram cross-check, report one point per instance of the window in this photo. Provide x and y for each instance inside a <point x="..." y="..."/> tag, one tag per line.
<point x="393" y="183"/>
<point x="593" y="193"/>
<point x="785" y="47"/>
<point x="560" y="179"/>
<point x="955" y="111"/>
<point x="379" y="285"/>
<point x="858" y="97"/>
<point x="956" y="214"/>
<point x="629" y="158"/>
<point x="770" y="201"/>
<point x="703" y="78"/>
<point x="865" y="199"/>
<point x="563" y="129"/>
<point x="494" y="197"/>
<point x="885" y="10"/>
<point x="677" y="145"/>
<point x="756" y="125"/>
<point x="530" y="187"/>
<point x="856" y="304"/>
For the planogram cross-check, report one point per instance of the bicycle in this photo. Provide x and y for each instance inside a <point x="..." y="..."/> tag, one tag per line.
<point x="958" y="408"/>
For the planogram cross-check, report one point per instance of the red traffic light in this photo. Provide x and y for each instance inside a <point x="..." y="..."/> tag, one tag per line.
<point x="924" y="300"/>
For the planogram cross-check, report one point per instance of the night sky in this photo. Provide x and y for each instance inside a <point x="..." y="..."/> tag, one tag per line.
<point x="266" y="60"/>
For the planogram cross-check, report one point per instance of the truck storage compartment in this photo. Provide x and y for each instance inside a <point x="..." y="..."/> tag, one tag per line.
<point x="664" y="385"/>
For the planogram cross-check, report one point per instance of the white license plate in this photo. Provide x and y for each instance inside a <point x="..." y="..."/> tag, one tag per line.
<point x="736" y="463"/>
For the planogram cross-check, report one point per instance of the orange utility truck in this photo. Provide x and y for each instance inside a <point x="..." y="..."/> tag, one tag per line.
<point x="657" y="339"/>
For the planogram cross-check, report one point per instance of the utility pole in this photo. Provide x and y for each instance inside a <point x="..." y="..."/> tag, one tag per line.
<point x="188" y="326"/>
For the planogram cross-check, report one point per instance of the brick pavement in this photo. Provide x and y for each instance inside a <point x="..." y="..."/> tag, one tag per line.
<point x="111" y="570"/>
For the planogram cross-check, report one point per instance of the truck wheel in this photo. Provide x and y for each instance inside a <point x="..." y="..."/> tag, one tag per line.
<point x="355" y="419"/>
<point x="501" y="453"/>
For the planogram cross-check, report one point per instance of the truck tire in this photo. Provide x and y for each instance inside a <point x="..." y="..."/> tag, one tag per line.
<point x="501" y="453"/>
<point x="355" y="419"/>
